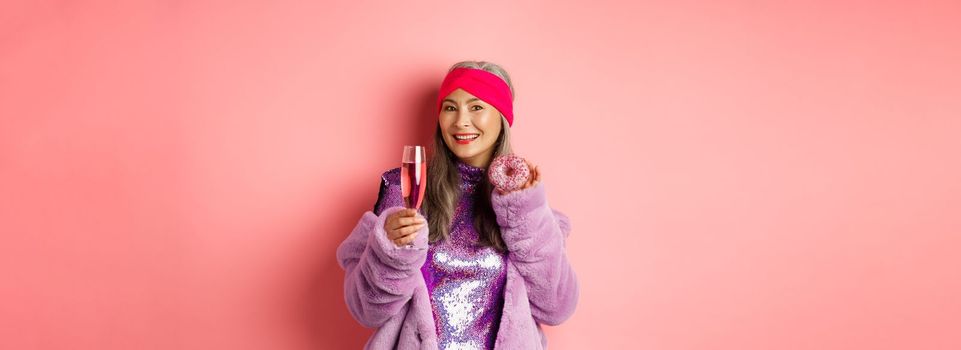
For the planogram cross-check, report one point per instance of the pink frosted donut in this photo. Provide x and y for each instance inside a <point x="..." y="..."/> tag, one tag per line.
<point x="508" y="172"/>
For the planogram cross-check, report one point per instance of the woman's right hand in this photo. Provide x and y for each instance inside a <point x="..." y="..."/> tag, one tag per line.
<point x="402" y="226"/>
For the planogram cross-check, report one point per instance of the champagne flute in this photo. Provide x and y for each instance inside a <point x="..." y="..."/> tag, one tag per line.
<point x="413" y="176"/>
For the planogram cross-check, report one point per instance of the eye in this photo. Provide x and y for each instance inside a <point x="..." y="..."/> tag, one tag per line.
<point x="478" y="107"/>
<point x="448" y="108"/>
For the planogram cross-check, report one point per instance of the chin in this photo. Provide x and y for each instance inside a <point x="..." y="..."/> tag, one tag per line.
<point x="464" y="155"/>
<point x="466" y="152"/>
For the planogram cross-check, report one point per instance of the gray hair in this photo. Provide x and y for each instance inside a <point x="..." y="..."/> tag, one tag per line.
<point x="443" y="179"/>
<point x="488" y="67"/>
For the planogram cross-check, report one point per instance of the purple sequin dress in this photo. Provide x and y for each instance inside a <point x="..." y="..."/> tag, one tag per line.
<point x="465" y="280"/>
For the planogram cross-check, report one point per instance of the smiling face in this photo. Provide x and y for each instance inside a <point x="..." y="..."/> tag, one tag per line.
<point x="470" y="127"/>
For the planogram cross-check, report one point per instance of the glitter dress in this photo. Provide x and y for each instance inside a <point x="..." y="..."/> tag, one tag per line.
<point x="465" y="281"/>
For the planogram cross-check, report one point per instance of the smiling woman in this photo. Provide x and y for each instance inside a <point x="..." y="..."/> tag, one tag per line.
<point x="445" y="281"/>
<point x="465" y="119"/>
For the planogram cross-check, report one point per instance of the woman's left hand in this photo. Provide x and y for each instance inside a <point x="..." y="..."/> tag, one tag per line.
<point x="532" y="181"/>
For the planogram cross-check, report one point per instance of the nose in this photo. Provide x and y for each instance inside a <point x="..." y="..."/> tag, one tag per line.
<point x="463" y="118"/>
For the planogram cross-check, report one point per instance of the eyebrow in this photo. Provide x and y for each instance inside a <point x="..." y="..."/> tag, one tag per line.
<point x="455" y="102"/>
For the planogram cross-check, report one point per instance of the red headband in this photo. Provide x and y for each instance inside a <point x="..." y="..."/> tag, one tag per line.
<point x="483" y="84"/>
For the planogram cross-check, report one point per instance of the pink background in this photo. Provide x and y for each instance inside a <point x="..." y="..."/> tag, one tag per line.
<point x="739" y="175"/>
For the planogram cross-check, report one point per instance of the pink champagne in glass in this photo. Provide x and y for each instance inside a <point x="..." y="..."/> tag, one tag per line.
<point x="413" y="176"/>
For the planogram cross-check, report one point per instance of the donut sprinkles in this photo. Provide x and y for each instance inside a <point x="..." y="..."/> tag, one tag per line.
<point x="508" y="172"/>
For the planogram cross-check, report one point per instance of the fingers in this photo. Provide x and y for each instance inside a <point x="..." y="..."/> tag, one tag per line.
<point x="404" y="240"/>
<point x="535" y="175"/>
<point x="403" y="231"/>
<point x="403" y="218"/>
<point x="406" y="230"/>
<point x="406" y="221"/>
<point x="402" y="213"/>
<point x="405" y="235"/>
<point x="402" y="225"/>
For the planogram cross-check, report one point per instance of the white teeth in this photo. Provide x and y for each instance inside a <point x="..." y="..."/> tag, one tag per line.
<point x="466" y="137"/>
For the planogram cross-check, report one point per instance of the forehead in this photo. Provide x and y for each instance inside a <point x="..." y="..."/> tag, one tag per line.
<point x="460" y="96"/>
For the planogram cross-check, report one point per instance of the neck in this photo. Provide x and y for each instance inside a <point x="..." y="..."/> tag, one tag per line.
<point x="470" y="175"/>
<point x="481" y="160"/>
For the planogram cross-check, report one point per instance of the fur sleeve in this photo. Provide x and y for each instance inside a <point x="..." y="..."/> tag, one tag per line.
<point x="380" y="277"/>
<point x="535" y="235"/>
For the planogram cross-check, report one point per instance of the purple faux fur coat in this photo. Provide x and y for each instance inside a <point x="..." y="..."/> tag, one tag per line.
<point x="384" y="288"/>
